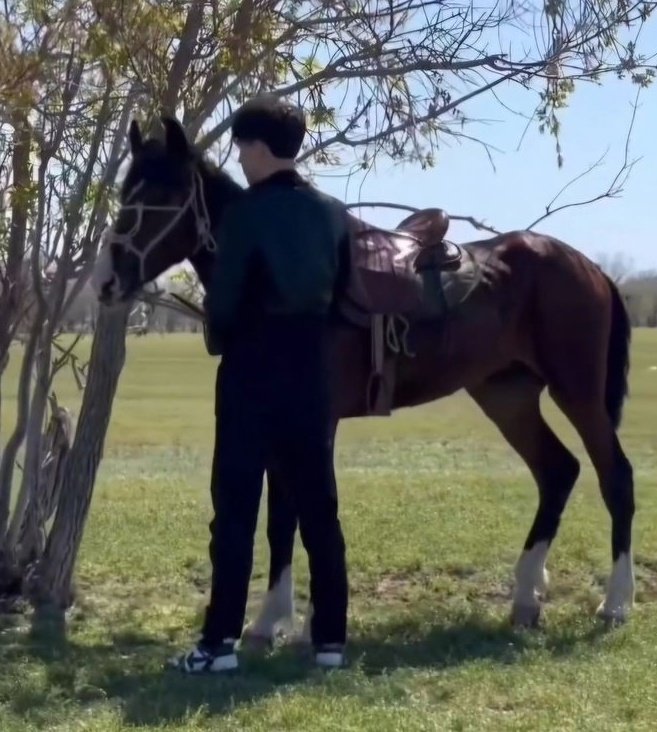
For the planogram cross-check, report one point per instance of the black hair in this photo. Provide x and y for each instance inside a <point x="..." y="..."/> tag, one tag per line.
<point x="280" y="125"/>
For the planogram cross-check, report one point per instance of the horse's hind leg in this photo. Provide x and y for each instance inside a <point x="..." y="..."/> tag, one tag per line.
<point x="586" y="365"/>
<point x="616" y="480"/>
<point x="511" y="400"/>
<point x="277" y="609"/>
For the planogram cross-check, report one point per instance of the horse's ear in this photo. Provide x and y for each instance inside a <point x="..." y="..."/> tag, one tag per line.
<point x="134" y="135"/>
<point x="175" y="137"/>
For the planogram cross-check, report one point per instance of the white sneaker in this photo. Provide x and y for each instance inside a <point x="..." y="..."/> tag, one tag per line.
<point x="330" y="655"/>
<point x="202" y="660"/>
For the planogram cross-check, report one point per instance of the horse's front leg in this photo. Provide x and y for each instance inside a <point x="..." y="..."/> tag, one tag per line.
<point x="277" y="609"/>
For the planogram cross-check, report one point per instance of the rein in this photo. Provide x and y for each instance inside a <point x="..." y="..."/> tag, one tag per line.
<point x="197" y="203"/>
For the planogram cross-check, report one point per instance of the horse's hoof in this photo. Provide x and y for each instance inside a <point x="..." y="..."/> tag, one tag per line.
<point x="611" y="616"/>
<point x="525" y="616"/>
<point x="252" y="641"/>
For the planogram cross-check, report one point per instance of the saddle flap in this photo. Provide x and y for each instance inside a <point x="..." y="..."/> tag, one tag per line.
<point x="387" y="266"/>
<point x="374" y="245"/>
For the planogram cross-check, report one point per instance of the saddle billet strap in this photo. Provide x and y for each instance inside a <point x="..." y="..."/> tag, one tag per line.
<point x="378" y="343"/>
<point x="376" y="393"/>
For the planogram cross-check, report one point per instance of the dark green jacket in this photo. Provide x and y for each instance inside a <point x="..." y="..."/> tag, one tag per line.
<point x="281" y="250"/>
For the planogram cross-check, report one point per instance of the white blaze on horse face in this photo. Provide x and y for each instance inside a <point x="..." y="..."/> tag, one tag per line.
<point x="277" y="608"/>
<point x="531" y="576"/>
<point x="620" y="592"/>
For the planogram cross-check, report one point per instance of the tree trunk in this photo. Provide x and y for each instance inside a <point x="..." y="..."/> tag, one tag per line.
<point x="51" y="583"/>
<point x="13" y="446"/>
<point x="11" y="296"/>
<point x="32" y="536"/>
<point x="33" y="444"/>
<point x="12" y="284"/>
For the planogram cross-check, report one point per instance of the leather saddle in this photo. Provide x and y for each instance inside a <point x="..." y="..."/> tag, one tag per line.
<point x="389" y="266"/>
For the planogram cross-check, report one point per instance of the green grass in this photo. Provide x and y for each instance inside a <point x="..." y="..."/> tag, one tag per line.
<point x="435" y="508"/>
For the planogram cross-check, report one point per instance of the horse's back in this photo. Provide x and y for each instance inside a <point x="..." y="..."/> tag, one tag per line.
<point x="526" y="258"/>
<point x="528" y="245"/>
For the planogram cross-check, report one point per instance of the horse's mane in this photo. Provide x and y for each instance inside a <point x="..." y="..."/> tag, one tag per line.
<point x="224" y="182"/>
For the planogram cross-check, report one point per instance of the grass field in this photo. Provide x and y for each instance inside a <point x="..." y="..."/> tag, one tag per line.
<point x="435" y="509"/>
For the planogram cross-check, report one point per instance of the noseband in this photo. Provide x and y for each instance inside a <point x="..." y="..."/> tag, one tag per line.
<point x="195" y="202"/>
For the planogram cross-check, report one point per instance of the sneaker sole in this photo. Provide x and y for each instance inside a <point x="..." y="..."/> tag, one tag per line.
<point x="329" y="659"/>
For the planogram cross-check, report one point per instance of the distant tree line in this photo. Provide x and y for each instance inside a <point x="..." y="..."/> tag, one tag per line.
<point x="639" y="291"/>
<point x="144" y="317"/>
<point x="639" y="288"/>
<point x="640" y="294"/>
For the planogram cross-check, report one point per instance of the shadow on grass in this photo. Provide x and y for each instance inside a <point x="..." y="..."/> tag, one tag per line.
<point x="130" y="670"/>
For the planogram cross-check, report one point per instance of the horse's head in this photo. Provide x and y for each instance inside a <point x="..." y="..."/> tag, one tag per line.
<point x="163" y="217"/>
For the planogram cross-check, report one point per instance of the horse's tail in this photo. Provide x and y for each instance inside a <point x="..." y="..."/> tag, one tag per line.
<point x="618" y="356"/>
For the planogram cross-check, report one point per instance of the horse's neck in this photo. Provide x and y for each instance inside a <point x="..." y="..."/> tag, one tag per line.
<point x="219" y="191"/>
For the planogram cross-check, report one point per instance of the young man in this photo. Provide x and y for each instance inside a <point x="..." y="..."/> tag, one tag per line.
<point x="281" y="251"/>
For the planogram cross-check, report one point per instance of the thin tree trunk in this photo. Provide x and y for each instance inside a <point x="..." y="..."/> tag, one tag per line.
<point x="10" y="302"/>
<point x="4" y="362"/>
<point x="33" y="443"/>
<point x="51" y="584"/>
<point x="15" y="441"/>
<point x="33" y="534"/>
<point x="184" y="56"/>
<point x="12" y="284"/>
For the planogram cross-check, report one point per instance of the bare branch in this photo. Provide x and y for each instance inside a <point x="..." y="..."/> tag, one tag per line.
<point x="10" y="298"/>
<point x="414" y="209"/>
<point x="183" y="57"/>
<point x="615" y="187"/>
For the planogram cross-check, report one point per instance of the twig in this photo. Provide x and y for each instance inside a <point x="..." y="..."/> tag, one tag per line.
<point x="182" y="306"/>
<point x="378" y="204"/>
<point x="614" y="189"/>
<point x="475" y="224"/>
<point x="411" y="122"/>
<point x="405" y="207"/>
<point x="66" y="354"/>
<point x="78" y="367"/>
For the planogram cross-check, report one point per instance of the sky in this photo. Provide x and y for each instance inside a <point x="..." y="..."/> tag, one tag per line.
<point x="526" y="176"/>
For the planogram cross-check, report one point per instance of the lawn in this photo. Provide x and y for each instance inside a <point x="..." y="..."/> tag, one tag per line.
<point x="435" y="509"/>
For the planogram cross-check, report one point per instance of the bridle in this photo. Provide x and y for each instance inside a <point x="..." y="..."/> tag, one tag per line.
<point x="195" y="202"/>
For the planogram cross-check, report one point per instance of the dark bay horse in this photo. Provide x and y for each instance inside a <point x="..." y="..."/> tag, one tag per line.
<point x="545" y="317"/>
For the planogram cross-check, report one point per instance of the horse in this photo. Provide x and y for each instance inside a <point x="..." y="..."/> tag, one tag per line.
<point x="546" y="317"/>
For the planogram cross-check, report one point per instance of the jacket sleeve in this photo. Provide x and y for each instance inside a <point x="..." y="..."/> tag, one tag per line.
<point x="234" y="250"/>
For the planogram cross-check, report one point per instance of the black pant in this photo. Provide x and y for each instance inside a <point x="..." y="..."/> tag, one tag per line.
<point x="274" y="411"/>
